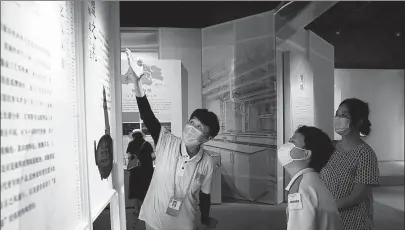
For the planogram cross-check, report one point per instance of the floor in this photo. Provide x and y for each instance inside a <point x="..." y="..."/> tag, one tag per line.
<point x="388" y="209"/>
<point x="235" y="216"/>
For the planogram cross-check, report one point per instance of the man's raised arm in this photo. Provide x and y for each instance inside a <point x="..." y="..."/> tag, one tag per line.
<point x="147" y="115"/>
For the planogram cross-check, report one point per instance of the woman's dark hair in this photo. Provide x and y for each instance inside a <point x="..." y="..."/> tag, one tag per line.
<point x="320" y="145"/>
<point x="359" y="110"/>
<point x="208" y="118"/>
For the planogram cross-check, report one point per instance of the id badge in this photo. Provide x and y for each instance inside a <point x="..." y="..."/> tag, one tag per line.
<point x="174" y="207"/>
<point x="294" y="201"/>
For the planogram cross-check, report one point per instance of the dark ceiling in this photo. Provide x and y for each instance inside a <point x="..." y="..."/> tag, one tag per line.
<point x="366" y="35"/>
<point x="183" y="14"/>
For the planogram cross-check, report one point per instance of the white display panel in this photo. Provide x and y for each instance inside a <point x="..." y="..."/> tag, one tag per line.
<point x="40" y="177"/>
<point x="98" y="74"/>
<point x="159" y="75"/>
<point x="302" y="92"/>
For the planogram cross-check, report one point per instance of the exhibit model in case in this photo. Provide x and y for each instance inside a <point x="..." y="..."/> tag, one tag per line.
<point x="240" y="85"/>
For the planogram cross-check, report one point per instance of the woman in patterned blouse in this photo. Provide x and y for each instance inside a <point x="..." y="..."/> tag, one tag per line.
<point x="352" y="169"/>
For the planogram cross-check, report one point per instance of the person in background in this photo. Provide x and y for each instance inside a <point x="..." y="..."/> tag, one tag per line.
<point x="139" y="150"/>
<point x="310" y="204"/>
<point x="353" y="167"/>
<point x="183" y="172"/>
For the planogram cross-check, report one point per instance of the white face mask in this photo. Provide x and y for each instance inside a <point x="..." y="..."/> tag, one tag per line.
<point x="341" y="125"/>
<point x="284" y="154"/>
<point x="191" y="135"/>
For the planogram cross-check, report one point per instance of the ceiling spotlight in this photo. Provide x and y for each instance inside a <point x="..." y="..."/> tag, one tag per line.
<point x="337" y="32"/>
<point x="398" y="34"/>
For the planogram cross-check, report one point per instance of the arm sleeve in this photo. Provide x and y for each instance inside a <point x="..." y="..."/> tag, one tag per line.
<point x="205" y="193"/>
<point x="367" y="169"/>
<point x="148" y="117"/>
<point x="206" y="183"/>
<point x="303" y="218"/>
<point x="205" y="205"/>
<point x="129" y="148"/>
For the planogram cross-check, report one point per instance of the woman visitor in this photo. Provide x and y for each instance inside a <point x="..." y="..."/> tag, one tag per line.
<point x="353" y="169"/>
<point x="140" y="168"/>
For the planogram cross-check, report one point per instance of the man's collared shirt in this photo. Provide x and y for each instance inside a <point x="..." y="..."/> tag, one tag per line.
<point x="171" y="157"/>
<point x="310" y="204"/>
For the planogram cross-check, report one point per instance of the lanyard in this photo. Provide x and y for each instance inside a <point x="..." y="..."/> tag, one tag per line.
<point x="192" y="176"/>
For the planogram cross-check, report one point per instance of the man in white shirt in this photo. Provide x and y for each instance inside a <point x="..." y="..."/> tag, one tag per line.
<point x="311" y="206"/>
<point x="183" y="172"/>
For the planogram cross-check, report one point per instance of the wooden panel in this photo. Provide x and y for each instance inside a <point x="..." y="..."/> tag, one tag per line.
<point x="242" y="174"/>
<point x="260" y="164"/>
<point x="226" y="163"/>
<point x="216" y="191"/>
<point x="227" y="173"/>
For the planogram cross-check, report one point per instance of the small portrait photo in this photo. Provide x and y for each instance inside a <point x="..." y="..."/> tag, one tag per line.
<point x="174" y="204"/>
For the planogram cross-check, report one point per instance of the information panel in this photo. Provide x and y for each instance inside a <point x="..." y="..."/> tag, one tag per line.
<point x="155" y="83"/>
<point x="98" y="74"/>
<point x="302" y="92"/>
<point x="40" y="185"/>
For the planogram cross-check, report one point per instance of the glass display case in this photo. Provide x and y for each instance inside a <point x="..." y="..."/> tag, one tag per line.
<point x="240" y="85"/>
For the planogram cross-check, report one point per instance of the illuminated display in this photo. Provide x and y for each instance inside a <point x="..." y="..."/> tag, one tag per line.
<point x="40" y="177"/>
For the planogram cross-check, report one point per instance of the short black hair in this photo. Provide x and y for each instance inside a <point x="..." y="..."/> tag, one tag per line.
<point x="208" y="118"/>
<point x="359" y="110"/>
<point x="320" y="145"/>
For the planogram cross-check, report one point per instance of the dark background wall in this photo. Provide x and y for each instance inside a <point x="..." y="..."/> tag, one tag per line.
<point x="366" y="35"/>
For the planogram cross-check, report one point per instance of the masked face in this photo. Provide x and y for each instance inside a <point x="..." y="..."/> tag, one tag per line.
<point x="342" y="125"/>
<point x="342" y="122"/>
<point x="284" y="154"/>
<point x="192" y="136"/>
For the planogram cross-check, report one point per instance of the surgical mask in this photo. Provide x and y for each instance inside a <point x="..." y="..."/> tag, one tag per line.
<point x="284" y="154"/>
<point x="191" y="135"/>
<point x="341" y="125"/>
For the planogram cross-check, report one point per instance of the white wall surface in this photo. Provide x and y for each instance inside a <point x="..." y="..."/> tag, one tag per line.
<point x="184" y="45"/>
<point x="384" y="91"/>
<point x="322" y="60"/>
<point x="319" y="58"/>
